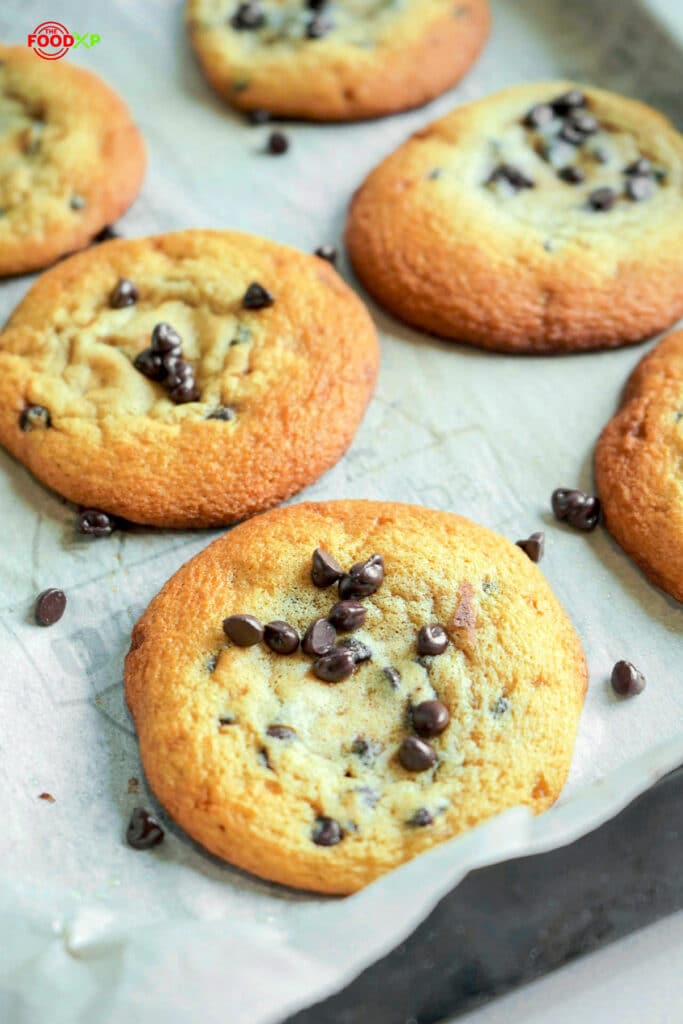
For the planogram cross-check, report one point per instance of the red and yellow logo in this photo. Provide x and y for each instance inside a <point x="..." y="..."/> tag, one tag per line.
<point x="51" y="40"/>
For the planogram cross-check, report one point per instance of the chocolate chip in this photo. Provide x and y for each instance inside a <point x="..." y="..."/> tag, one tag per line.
<point x="568" y="101"/>
<point x="580" y="510"/>
<point x="602" y="199"/>
<point x="211" y="663"/>
<point x="243" y="630"/>
<point x="583" y="122"/>
<point x="150" y="365"/>
<point x="430" y="718"/>
<point x="227" y="720"/>
<point x="415" y="755"/>
<point x="370" y="796"/>
<point x="363" y="578"/>
<point x="572" y="175"/>
<point x="319" y="25"/>
<point x="571" y="134"/>
<point x="359" y="650"/>
<point x="421" y="818"/>
<point x="641" y="166"/>
<point x="124" y="294"/>
<point x="327" y="832"/>
<point x="639" y="187"/>
<point x="366" y="750"/>
<point x="187" y="391"/>
<point x="281" y="732"/>
<point x="259" y="116"/>
<point x="166" y="339"/>
<point x="512" y="175"/>
<point x="281" y="637"/>
<point x="144" y="831"/>
<point x="34" y="417"/>
<point x="318" y="638"/>
<point x="327" y="252"/>
<point x="346" y="616"/>
<point x="558" y="153"/>
<point x="540" y="115"/>
<point x="626" y="680"/>
<point x="178" y="370"/>
<point x="77" y="202"/>
<point x="325" y="569"/>
<point x="94" y="523"/>
<point x="432" y="639"/>
<point x="335" y="665"/>
<point x="533" y="546"/>
<point x="223" y="412"/>
<point x="315" y="5"/>
<point x="106" y="235"/>
<point x="500" y="707"/>
<point x="600" y="155"/>
<point x="257" y="297"/>
<point x="50" y="607"/>
<point x="264" y="759"/>
<point x="278" y="143"/>
<point x="248" y="16"/>
<point x="393" y="676"/>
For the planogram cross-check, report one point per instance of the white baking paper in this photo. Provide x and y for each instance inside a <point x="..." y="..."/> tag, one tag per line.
<point x="91" y="930"/>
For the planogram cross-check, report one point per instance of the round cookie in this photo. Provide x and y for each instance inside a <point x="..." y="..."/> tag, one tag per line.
<point x="71" y="159"/>
<point x="336" y="61"/>
<point x="325" y="785"/>
<point x="545" y="218"/>
<point x="187" y="379"/>
<point x="639" y="462"/>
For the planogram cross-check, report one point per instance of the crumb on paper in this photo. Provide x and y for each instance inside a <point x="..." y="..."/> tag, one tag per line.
<point x="46" y="796"/>
<point x="133" y="784"/>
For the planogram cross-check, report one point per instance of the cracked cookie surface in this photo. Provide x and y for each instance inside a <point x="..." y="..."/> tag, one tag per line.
<point x="276" y="391"/>
<point x="544" y="218"/>
<point x="71" y="159"/>
<point x="339" y="60"/>
<point x="326" y="782"/>
<point x="639" y="467"/>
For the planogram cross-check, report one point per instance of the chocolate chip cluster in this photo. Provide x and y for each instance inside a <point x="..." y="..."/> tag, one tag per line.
<point x="163" y="362"/>
<point x="251" y="16"/>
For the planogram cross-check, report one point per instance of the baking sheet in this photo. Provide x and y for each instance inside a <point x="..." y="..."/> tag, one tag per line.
<point x="89" y="927"/>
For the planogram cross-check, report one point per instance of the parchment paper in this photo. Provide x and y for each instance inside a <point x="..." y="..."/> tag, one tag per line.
<point x="90" y="929"/>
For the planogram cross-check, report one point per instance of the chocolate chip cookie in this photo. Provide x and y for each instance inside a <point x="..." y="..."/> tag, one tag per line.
<point x="188" y="379"/>
<point x="335" y="61"/>
<point x="545" y="218"/>
<point x="331" y="689"/>
<point x="71" y="159"/>
<point x="639" y="467"/>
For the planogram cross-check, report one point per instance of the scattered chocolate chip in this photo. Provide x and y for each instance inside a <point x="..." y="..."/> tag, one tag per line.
<point x="512" y="176"/>
<point x="211" y="663"/>
<point x="370" y="796"/>
<point x="243" y="630"/>
<point x="144" y="831"/>
<point x="430" y="718"/>
<point x="223" y="412"/>
<point x="227" y="720"/>
<point x="278" y="143"/>
<point x="77" y="202"/>
<point x="325" y="569"/>
<point x="660" y="175"/>
<point x="93" y="523"/>
<point x="639" y="187"/>
<point x="106" y="235"/>
<point x="281" y="732"/>
<point x="533" y="546"/>
<point x="415" y="755"/>
<point x="572" y="175"/>
<point x="166" y="339"/>
<point x="540" y="115"/>
<point x="569" y="133"/>
<point x="432" y="639"/>
<point x="327" y="252"/>
<point x="318" y="638"/>
<point x="558" y="153"/>
<point x="34" y="417"/>
<point x="393" y="676"/>
<point x="257" y="297"/>
<point x="335" y="665"/>
<point x="641" y="166"/>
<point x="500" y="707"/>
<point x="150" y="365"/>
<point x="248" y="16"/>
<point x="366" y="750"/>
<point x="568" y="101"/>
<point x="327" y="832"/>
<point x="50" y="606"/>
<point x="264" y="759"/>
<point x="363" y="578"/>
<point x="346" y="616"/>
<point x="259" y="116"/>
<point x="583" y="122"/>
<point x="626" y="680"/>
<point x="281" y="637"/>
<point x="421" y="818"/>
<point x="580" y="510"/>
<point x="600" y="155"/>
<point x="359" y="650"/>
<point x="602" y="199"/>
<point x="124" y="294"/>
<point x="319" y="25"/>
<point x="184" y="392"/>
